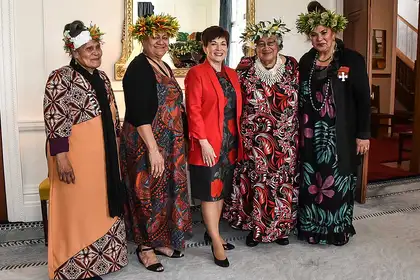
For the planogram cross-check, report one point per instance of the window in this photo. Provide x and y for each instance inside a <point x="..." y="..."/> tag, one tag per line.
<point x="238" y="23"/>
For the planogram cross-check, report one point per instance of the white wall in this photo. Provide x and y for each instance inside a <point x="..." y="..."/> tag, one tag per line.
<point x="409" y="10"/>
<point x="288" y="10"/>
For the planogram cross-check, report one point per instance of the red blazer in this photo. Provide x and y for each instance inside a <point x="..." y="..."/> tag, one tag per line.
<point x="205" y="103"/>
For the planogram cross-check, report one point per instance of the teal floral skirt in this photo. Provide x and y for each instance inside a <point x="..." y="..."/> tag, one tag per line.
<point x="326" y="197"/>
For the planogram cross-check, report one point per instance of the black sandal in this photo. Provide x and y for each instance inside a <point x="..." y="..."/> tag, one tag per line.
<point x="175" y="255"/>
<point x="156" y="267"/>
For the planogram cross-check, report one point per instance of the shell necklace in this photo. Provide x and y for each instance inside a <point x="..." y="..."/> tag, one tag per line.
<point x="270" y="76"/>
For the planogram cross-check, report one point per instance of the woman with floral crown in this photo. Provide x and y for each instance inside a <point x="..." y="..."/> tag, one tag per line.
<point x="265" y="189"/>
<point x="334" y="106"/>
<point x="87" y="236"/>
<point x="152" y="149"/>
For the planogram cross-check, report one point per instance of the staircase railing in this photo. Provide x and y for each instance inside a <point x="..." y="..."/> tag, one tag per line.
<point x="406" y="63"/>
<point x="406" y="41"/>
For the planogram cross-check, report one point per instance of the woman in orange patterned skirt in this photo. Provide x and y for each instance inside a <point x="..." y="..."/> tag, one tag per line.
<point x="86" y="234"/>
<point x="152" y="148"/>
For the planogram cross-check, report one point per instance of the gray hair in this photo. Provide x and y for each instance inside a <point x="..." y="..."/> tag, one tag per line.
<point x="279" y="41"/>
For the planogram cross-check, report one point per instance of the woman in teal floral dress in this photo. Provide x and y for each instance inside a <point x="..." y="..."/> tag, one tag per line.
<point x="334" y="106"/>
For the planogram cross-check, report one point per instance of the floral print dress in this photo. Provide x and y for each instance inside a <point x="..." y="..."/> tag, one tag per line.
<point x="326" y="198"/>
<point x="265" y="185"/>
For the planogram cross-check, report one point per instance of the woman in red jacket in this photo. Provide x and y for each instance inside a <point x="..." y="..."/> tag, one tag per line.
<point x="214" y="106"/>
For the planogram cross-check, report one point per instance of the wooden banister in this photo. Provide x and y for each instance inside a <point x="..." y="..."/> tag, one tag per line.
<point x="405" y="59"/>
<point x="408" y="24"/>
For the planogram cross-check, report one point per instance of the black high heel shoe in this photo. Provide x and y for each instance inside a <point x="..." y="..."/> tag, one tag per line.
<point x="156" y="267"/>
<point x="227" y="246"/>
<point x="221" y="263"/>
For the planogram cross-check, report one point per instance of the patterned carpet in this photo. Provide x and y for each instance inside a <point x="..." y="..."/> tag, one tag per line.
<point x="387" y="246"/>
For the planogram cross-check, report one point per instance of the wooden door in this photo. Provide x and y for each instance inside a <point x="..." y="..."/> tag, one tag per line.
<point x="3" y="208"/>
<point x="415" y="154"/>
<point x="357" y="36"/>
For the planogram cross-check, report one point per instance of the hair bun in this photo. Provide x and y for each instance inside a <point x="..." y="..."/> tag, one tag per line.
<point x="315" y="6"/>
<point x="75" y="28"/>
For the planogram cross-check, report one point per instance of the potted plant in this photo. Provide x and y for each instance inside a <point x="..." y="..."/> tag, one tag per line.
<point x="187" y="51"/>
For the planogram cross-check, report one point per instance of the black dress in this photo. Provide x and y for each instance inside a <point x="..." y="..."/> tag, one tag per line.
<point x="334" y="112"/>
<point x="215" y="183"/>
<point x="326" y="198"/>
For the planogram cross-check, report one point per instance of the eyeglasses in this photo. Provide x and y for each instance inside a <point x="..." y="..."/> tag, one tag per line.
<point x="261" y="45"/>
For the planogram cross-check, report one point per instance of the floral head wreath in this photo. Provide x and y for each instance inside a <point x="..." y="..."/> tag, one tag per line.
<point x="90" y="33"/>
<point x="152" y="24"/>
<point x="254" y="32"/>
<point x="306" y="23"/>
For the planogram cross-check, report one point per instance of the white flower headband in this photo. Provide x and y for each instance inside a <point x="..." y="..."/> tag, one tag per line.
<point x="73" y="43"/>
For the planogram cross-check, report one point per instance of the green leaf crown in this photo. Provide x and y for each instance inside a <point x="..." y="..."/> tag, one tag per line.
<point x="306" y="23"/>
<point x="255" y="32"/>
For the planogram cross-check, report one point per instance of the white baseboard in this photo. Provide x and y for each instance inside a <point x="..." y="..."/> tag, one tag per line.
<point x="31" y="203"/>
<point x="32" y="212"/>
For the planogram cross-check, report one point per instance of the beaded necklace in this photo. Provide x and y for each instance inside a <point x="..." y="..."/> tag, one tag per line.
<point x="310" y="88"/>
<point x="328" y="82"/>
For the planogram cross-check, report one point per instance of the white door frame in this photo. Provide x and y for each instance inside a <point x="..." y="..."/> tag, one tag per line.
<point x="8" y="114"/>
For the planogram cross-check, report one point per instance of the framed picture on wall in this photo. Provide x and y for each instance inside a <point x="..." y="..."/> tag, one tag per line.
<point x="379" y="49"/>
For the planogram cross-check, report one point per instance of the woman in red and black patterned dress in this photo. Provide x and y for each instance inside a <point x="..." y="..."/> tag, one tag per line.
<point x="265" y="189"/>
<point x="152" y="152"/>
<point x="214" y="106"/>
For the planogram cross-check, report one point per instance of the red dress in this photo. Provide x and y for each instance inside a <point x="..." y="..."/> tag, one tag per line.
<point x="265" y="187"/>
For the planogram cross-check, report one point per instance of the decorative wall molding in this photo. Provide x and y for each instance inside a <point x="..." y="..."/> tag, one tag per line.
<point x="8" y="113"/>
<point x="35" y="125"/>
